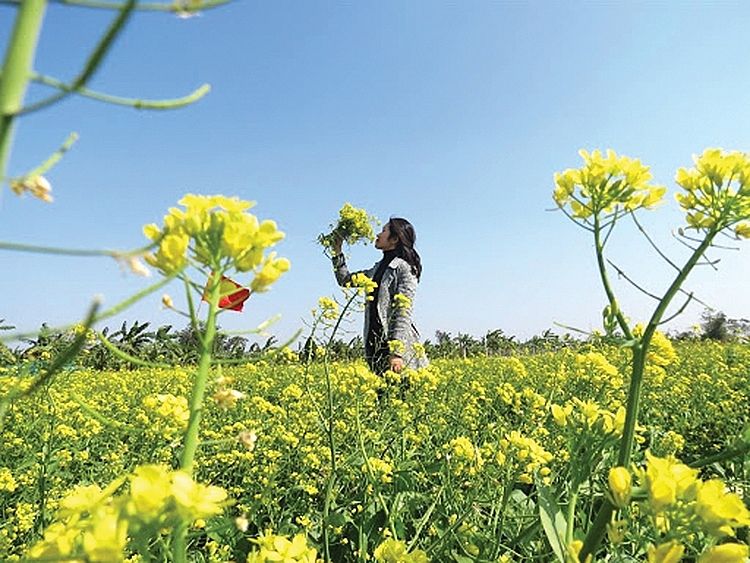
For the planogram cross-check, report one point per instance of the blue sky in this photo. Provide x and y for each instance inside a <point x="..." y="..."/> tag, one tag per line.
<point x="453" y="115"/>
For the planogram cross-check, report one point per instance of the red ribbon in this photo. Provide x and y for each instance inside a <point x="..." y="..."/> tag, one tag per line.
<point x="233" y="301"/>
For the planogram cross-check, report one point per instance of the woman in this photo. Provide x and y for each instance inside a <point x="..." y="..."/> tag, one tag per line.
<point x="390" y="336"/>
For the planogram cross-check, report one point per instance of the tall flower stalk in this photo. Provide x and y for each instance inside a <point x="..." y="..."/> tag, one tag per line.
<point x="213" y="234"/>
<point x="716" y="199"/>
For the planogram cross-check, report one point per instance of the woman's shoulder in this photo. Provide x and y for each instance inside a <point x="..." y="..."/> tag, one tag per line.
<point x="401" y="266"/>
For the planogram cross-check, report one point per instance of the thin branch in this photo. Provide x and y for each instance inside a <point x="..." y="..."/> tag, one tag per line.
<point x="178" y="6"/>
<point x="630" y="281"/>
<point x="679" y="311"/>
<point x="54" y="158"/>
<point x="706" y="305"/>
<point x="116" y="254"/>
<point x="93" y="62"/>
<point x="722" y="247"/>
<point x="574" y="329"/>
<point x="165" y="104"/>
<point x="611" y="227"/>
<point x="569" y="216"/>
<point x="678" y="237"/>
<point x="653" y="244"/>
<point x="711" y="263"/>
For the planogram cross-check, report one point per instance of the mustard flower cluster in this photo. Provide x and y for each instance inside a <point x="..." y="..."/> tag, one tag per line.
<point x="217" y="232"/>
<point x="7" y="482"/>
<point x="530" y="455"/>
<point x="682" y="507"/>
<point x="95" y="524"/>
<point x="396" y="347"/>
<point x="171" y="413"/>
<point x="328" y="308"/>
<point x="604" y="185"/>
<point x="401" y="301"/>
<point x="661" y="352"/>
<point x="273" y="548"/>
<point x="717" y="191"/>
<point x="364" y="285"/>
<point x="381" y="469"/>
<point x="354" y="225"/>
<point x="464" y="457"/>
<point x="588" y="415"/>
<point x="395" y="551"/>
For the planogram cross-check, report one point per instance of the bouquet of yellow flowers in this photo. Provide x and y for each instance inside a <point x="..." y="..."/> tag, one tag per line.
<point x="354" y="225"/>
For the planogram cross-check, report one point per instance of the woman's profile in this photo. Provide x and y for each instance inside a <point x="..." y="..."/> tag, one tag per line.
<point x="390" y="337"/>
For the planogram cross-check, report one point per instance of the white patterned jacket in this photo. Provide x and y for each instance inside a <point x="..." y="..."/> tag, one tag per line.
<point x="398" y="278"/>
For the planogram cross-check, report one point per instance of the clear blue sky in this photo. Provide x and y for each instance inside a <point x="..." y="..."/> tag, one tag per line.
<point x="453" y="115"/>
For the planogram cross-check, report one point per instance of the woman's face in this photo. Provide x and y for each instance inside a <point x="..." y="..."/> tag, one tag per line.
<point x="384" y="241"/>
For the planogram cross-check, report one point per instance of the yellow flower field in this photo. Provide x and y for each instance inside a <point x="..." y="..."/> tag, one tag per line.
<point x="455" y="462"/>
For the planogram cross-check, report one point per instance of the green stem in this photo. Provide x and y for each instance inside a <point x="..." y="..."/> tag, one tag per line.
<point x="570" y="524"/>
<point x="640" y="352"/>
<point x="179" y="538"/>
<point x="201" y="379"/>
<point x="724" y="455"/>
<point x="136" y="103"/>
<point x="17" y="67"/>
<point x="605" y="280"/>
<point x="146" y="6"/>
<point x="94" y="61"/>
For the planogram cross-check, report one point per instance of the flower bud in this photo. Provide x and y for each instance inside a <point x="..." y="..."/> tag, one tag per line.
<point x="620" y="483"/>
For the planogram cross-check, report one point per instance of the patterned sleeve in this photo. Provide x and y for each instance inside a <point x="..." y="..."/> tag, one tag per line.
<point x="400" y="320"/>
<point x="343" y="276"/>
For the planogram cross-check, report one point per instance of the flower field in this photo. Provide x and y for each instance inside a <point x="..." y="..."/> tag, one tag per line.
<point x="486" y="459"/>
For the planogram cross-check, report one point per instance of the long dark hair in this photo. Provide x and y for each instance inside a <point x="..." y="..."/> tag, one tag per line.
<point x="406" y="236"/>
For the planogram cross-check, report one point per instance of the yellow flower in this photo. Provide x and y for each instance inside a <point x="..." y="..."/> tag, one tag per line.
<point x="396" y="347"/>
<point x="364" y="284"/>
<point x="605" y="184"/>
<point x="574" y="552"/>
<point x="616" y="531"/>
<point x="620" y="483"/>
<point x="725" y="553"/>
<point x="329" y="309"/>
<point x="561" y="414"/>
<point x="395" y="551"/>
<point x="279" y="548"/>
<point x="667" y="480"/>
<point x="670" y="552"/>
<point x="7" y="482"/>
<point x="215" y="228"/>
<point x="195" y="500"/>
<point x="401" y="301"/>
<point x="354" y="225"/>
<point x="149" y="490"/>
<point x="382" y="470"/>
<point x="717" y="190"/>
<point x="58" y="543"/>
<point x="81" y="499"/>
<point x="105" y="540"/>
<point x="172" y="253"/>
<point x="271" y="271"/>
<point x="720" y="510"/>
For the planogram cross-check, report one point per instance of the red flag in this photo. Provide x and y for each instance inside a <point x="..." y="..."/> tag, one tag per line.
<point x="232" y="300"/>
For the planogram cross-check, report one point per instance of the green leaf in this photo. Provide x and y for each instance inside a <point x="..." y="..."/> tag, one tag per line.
<point x="553" y="522"/>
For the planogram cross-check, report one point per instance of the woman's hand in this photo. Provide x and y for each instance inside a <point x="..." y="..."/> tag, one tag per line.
<point x="397" y="364"/>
